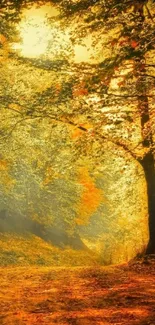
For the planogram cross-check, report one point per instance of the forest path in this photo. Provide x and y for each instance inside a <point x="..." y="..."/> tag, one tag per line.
<point x="120" y="295"/>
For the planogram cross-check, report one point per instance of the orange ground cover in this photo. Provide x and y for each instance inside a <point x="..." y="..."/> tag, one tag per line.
<point x="120" y="295"/>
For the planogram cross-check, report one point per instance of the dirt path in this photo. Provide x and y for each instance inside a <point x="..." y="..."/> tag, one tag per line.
<point x="78" y="296"/>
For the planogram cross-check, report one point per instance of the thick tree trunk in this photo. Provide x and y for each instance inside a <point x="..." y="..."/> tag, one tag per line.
<point x="148" y="162"/>
<point x="149" y="169"/>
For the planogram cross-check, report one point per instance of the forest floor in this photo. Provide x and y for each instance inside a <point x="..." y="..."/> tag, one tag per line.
<point x="119" y="295"/>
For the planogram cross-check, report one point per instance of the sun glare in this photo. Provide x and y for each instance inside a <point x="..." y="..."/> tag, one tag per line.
<point x="35" y="37"/>
<point x="35" y="32"/>
<point x="41" y="38"/>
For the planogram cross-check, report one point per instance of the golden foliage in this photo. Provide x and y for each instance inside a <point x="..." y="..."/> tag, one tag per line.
<point x="90" y="199"/>
<point x="5" y="178"/>
<point x="2" y="39"/>
<point x="5" y="47"/>
<point x="15" y="107"/>
<point x="45" y="220"/>
<point x="48" y="175"/>
<point x="32" y="250"/>
<point x="80" y="90"/>
<point x="3" y="165"/>
<point x="76" y="133"/>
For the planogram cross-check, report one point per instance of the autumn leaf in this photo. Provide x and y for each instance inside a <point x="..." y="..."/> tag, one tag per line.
<point x="76" y="134"/>
<point x="2" y="39"/>
<point x="113" y="42"/>
<point x="58" y="88"/>
<point x="134" y="44"/>
<point x="120" y="83"/>
<point x="80" y="90"/>
<point x="3" y="165"/>
<point x="142" y="67"/>
<point x="116" y="68"/>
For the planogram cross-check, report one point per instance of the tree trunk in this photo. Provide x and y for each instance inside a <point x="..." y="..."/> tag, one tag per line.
<point x="148" y="162"/>
<point x="149" y="169"/>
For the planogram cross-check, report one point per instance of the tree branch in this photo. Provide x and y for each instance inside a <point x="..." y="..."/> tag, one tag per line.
<point x="16" y="124"/>
<point x="116" y="141"/>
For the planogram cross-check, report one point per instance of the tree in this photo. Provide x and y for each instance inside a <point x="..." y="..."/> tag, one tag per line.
<point x="132" y="44"/>
<point x="134" y="40"/>
<point x="126" y="77"/>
